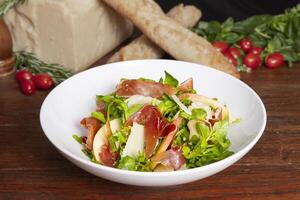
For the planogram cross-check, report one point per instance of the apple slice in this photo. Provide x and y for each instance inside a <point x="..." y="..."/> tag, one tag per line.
<point x="115" y="125"/>
<point x="211" y="102"/>
<point x="99" y="140"/>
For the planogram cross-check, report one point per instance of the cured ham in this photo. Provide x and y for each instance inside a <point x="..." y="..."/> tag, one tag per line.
<point x="132" y="87"/>
<point x="173" y="158"/>
<point x="217" y="116"/>
<point x="108" y="158"/>
<point x="101" y="107"/>
<point x="186" y="86"/>
<point x="155" y="126"/>
<point x="92" y="125"/>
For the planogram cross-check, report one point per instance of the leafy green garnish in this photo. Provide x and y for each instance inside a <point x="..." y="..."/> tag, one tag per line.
<point x="77" y="138"/>
<point x="170" y="80"/>
<point x="117" y="141"/>
<point x="212" y="145"/>
<point x="199" y="113"/>
<point x="99" y="116"/>
<point x="168" y="107"/>
<point x="140" y="163"/>
<point x="116" y="107"/>
<point x="133" y="109"/>
<point x="181" y="137"/>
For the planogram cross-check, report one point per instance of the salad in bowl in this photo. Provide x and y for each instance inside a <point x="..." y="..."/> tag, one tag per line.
<point x="147" y="125"/>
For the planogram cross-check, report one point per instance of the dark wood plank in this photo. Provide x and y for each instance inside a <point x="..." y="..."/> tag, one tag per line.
<point x="30" y="167"/>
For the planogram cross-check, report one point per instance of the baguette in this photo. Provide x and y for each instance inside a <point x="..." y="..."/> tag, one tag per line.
<point x="143" y="48"/>
<point x="172" y="37"/>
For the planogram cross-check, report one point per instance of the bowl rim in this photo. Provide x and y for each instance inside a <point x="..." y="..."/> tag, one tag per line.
<point x="231" y="159"/>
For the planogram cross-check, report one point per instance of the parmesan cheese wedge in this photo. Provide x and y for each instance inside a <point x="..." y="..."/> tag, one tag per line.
<point x="135" y="142"/>
<point x="138" y="99"/>
<point x="181" y="105"/>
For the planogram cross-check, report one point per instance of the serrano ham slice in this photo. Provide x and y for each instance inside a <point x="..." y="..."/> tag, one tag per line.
<point x="172" y="158"/>
<point x="92" y="125"/>
<point x="155" y="126"/>
<point x="186" y="86"/>
<point x="108" y="157"/>
<point x="132" y="87"/>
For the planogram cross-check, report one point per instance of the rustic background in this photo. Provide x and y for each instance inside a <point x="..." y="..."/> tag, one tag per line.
<point x="238" y="9"/>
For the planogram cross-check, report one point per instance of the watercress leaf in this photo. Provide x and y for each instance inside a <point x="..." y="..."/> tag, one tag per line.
<point x="203" y="130"/>
<point x="140" y="163"/>
<point x="181" y="137"/>
<point x="170" y="80"/>
<point x="199" y="114"/>
<point x="117" y="108"/>
<point x="105" y="99"/>
<point x="77" y="138"/>
<point x="99" y="116"/>
<point x="127" y="163"/>
<point x="133" y="109"/>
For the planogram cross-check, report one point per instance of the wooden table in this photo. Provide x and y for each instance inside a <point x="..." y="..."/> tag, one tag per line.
<point x="30" y="167"/>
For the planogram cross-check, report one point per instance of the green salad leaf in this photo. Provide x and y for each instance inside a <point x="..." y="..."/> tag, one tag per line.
<point x="77" y="138"/>
<point x="133" y="109"/>
<point x="117" y="141"/>
<point x="199" y="114"/>
<point x="116" y="107"/>
<point x="99" y="116"/>
<point x="181" y="137"/>
<point x="170" y="80"/>
<point x="211" y="146"/>
<point x="140" y="163"/>
<point x="168" y="107"/>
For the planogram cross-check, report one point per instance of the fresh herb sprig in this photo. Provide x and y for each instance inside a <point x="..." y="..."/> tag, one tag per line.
<point x="28" y="61"/>
<point x="275" y="33"/>
<point x="7" y="4"/>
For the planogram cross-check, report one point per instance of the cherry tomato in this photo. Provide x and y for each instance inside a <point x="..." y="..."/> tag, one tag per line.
<point x="23" y="75"/>
<point x="220" y="46"/>
<point x="246" y="44"/>
<point x="27" y="87"/>
<point x="256" y="50"/>
<point x="274" y="60"/>
<point x="230" y="58"/>
<point x="252" y="60"/>
<point x="43" y="81"/>
<point x="235" y="52"/>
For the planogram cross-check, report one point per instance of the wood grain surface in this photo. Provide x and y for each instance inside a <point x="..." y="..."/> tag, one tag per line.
<point x="31" y="168"/>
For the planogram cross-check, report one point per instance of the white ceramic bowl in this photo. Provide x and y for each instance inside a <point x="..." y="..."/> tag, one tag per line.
<point x="74" y="99"/>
